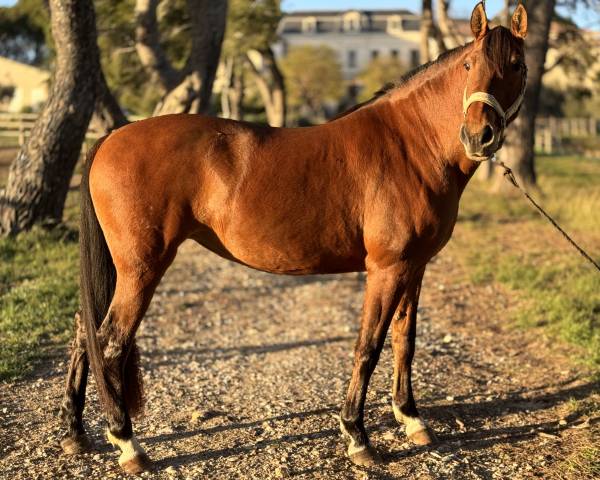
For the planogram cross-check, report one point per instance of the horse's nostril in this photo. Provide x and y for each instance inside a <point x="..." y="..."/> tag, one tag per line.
<point x="463" y="134"/>
<point x="487" y="135"/>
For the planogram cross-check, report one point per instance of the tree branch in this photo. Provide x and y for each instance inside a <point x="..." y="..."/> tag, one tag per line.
<point x="108" y="115"/>
<point x="446" y="25"/>
<point x="147" y="44"/>
<point x="559" y="60"/>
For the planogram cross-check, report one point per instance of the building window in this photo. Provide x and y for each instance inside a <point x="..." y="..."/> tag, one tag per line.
<point x="394" y="23"/>
<point x="351" y="58"/>
<point x="351" y="25"/>
<point x="394" y="54"/>
<point x="415" y="61"/>
<point x="374" y="54"/>
<point x="309" y="25"/>
<point x="352" y="22"/>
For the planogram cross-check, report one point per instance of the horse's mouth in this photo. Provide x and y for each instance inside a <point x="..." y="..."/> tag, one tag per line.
<point x="479" y="157"/>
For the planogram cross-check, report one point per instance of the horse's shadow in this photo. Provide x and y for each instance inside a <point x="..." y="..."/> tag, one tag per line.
<point x="270" y="285"/>
<point x="472" y="414"/>
<point x="157" y="358"/>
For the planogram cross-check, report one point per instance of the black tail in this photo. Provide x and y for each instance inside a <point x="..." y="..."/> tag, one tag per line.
<point x="97" y="287"/>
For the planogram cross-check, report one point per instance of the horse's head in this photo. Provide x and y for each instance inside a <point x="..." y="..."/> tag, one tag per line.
<point x="495" y="82"/>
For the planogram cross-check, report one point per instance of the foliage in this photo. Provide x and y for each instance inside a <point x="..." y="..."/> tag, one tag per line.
<point x="125" y="75"/>
<point x="25" y="32"/>
<point x="380" y="71"/>
<point x="580" y="102"/>
<point x="569" y="102"/>
<point x="38" y="296"/>
<point x="313" y="77"/>
<point x="574" y="52"/>
<point x="500" y="240"/>
<point x="251" y="25"/>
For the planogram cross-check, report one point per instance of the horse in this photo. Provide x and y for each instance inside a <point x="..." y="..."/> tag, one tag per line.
<point x="376" y="189"/>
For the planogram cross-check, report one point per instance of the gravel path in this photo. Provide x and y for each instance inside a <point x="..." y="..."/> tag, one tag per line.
<point x="245" y="373"/>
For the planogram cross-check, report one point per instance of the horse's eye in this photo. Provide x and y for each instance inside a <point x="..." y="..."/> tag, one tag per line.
<point x="467" y="66"/>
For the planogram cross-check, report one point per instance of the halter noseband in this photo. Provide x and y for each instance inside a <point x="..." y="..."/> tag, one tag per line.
<point x="490" y="100"/>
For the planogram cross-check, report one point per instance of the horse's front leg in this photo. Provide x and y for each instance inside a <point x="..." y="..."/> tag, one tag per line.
<point x="381" y="299"/>
<point x="404" y="326"/>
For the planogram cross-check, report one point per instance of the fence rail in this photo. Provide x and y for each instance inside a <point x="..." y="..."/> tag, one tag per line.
<point x="550" y="132"/>
<point x="19" y="125"/>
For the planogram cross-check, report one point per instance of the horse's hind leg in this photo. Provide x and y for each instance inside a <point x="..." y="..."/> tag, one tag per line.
<point x="71" y="411"/>
<point x="116" y="336"/>
<point x="381" y="299"/>
<point x="404" y="327"/>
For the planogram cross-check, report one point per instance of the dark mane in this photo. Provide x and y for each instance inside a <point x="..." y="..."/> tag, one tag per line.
<point x="403" y="80"/>
<point x="496" y="45"/>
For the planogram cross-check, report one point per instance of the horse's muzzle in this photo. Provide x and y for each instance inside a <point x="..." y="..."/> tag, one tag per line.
<point x="481" y="145"/>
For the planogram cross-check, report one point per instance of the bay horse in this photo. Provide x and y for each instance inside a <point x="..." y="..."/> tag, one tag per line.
<point x="374" y="190"/>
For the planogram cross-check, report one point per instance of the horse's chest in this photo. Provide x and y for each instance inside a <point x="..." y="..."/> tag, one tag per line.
<point x="416" y="230"/>
<point x="433" y="226"/>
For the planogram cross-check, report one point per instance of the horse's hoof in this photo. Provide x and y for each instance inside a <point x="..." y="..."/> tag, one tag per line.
<point x="75" y="445"/>
<point x="137" y="464"/>
<point x="367" y="457"/>
<point x="423" y="437"/>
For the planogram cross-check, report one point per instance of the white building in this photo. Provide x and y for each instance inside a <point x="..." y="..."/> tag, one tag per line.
<point x="22" y="87"/>
<point x="358" y="36"/>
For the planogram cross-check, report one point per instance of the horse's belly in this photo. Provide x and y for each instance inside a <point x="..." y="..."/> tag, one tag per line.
<point x="293" y="252"/>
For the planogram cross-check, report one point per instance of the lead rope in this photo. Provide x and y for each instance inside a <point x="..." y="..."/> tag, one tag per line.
<point x="510" y="176"/>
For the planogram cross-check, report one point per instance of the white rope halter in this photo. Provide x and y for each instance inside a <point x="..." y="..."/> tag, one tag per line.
<point x="490" y="100"/>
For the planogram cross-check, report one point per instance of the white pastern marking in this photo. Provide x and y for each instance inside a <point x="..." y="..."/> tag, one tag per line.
<point x="130" y="448"/>
<point x="353" y="448"/>
<point x="413" y="424"/>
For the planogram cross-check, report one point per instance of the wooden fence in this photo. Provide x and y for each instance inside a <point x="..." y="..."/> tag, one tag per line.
<point x="550" y="132"/>
<point x="19" y="125"/>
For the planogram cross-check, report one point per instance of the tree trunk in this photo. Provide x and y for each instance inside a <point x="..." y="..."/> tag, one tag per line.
<point x="108" y="115"/>
<point x="232" y="94"/>
<point x="446" y="25"/>
<point x="426" y="31"/>
<point x="193" y="93"/>
<point x="518" y="150"/>
<point x="38" y="179"/>
<point x="271" y="86"/>
<point x="227" y="86"/>
<point x="148" y="47"/>
<point x="237" y="96"/>
<point x="505" y="13"/>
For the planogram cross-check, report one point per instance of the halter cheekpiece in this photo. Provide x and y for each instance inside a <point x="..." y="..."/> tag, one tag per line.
<point x="490" y="100"/>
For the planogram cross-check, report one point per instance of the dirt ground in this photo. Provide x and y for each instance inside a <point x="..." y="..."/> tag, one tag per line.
<point x="245" y="373"/>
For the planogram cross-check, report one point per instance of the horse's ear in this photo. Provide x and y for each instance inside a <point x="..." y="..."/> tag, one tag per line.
<point x="479" y="23"/>
<point x="518" y="24"/>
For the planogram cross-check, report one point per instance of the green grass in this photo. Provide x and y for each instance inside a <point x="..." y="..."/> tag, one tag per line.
<point x="502" y="239"/>
<point x="584" y="463"/>
<point x="38" y="296"/>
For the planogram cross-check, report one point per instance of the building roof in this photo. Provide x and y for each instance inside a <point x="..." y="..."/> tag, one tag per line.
<point x="318" y="13"/>
<point x="329" y="21"/>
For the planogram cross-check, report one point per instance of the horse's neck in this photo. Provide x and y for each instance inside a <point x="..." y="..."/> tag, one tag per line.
<point x="428" y="111"/>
